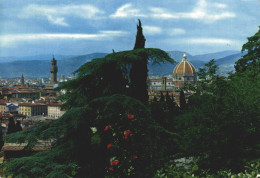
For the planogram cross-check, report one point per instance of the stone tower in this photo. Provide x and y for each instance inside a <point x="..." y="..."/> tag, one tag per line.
<point x="164" y="83"/>
<point x="22" y="80"/>
<point x="53" y="70"/>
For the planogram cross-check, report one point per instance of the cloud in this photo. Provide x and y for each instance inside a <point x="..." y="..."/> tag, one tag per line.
<point x="12" y="39"/>
<point x="127" y="11"/>
<point x="203" y="11"/>
<point x="56" y="14"/>
<point x="151" y="30"/>
<point x="207" y="12"/>
<point x="220" y="5"/>
<point x="176" y="31"/>
<point x="216" y="42"/>
<point x="209" y="41"/>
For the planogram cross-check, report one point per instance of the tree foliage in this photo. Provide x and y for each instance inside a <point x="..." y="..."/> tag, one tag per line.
<point x="252" y="57"/>
<point x="182" y="100"/>
<point x="11" y="126"/>
<point x="96" y="100"/>
<point x="139" y="71"/>
<point x="140" y="39"/>
<point x="208" y="71"/>
<point x="221" y="123"/>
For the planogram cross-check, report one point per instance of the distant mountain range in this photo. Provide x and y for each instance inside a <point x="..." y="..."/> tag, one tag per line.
<point x="38" y="66"/>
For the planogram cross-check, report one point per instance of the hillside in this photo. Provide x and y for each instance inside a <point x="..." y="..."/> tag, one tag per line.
<point x="40" y="68"/>
<point x="68" y="64"/>
<point x="217" y="55"/>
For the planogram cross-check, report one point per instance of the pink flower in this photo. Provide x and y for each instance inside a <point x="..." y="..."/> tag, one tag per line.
<point x="109" y="145"/>
<point x="127" y="134"/>
<point x="114" y="163"/>
<point x="111" y="169"/>
<point x="130" y="116"/>
<point x="106" y="128"/>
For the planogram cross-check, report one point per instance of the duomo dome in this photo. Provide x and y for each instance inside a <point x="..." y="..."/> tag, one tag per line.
<point x="184" y="72"/>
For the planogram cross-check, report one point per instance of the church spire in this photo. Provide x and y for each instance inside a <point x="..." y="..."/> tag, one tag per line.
<point x="22" y="79"/>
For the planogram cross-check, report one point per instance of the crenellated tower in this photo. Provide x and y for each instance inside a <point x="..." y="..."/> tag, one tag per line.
<point x="53" y="70"/>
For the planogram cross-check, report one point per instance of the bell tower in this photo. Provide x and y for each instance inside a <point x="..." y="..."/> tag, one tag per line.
<point x="53" y="70"/>
<point x="22" y="80"/>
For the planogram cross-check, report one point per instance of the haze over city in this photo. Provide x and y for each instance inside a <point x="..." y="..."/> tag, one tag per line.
<point x="83" y="27"/>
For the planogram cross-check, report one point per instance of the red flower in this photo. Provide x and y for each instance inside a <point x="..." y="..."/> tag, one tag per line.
<point x="127" y="134"/>
<point x="130" y="116"/>
<point x="107" y="127"/>
<point x="111" y="169"/>
<point x="134" y="156"/>
<point x="114" y="163"/>
<point x="109" y="145"/>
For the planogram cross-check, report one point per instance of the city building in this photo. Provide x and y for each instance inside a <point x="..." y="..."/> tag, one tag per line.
<point x="184" y="72"/>
<point x="158" y="84"/>
<point x="3" y="106"/>
<point x="12" y="107"/>
<point x="25" y="93"/>
<point x="32" y="109"/>
<point x="54" y="110"/>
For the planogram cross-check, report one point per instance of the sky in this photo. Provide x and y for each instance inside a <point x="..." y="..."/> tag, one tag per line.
<point x="78" y="27"/>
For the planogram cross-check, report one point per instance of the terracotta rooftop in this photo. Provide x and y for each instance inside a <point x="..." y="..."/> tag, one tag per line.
<point x="40" y="146"/>
<point x="32" y="104"/>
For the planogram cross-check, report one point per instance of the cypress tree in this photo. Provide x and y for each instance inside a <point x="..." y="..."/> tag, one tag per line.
<point x="18" y="126"/>
<point x="1" y="138"/>
<point x="11" y="126"/>
<point x="162" y="99"/>
<point x="138" y="72"/>
<point x="182" y="100"/>
<point x="140" y="39"/>
<point x="169" y="102"/>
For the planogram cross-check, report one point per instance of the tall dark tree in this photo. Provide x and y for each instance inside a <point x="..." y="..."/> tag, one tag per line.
<point x="18" y="126"/>
<point x="253" y="53"/>
<point x="140" y="39"/>
<point x="138" y="73"/>
<point x="11" y="126"/>
<point x="162" y="98"/>
<point x="1" y="135"/>
<point x="182" y="100"/>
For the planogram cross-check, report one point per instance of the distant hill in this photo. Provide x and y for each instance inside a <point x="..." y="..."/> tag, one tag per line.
<point x="226" y="64"/>
<point x="36" y="57"/>
<point x="217" y="55"/>
<point x="39" y="66"/>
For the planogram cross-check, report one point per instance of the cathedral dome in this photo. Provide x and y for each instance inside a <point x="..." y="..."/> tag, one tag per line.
<point x="184" y="68"/>
<point x="184" y="72"/>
